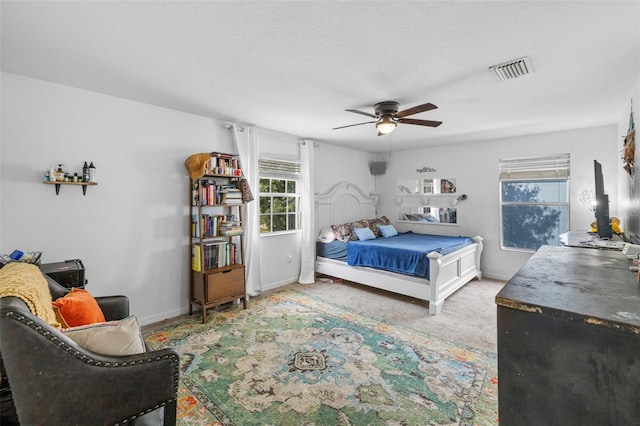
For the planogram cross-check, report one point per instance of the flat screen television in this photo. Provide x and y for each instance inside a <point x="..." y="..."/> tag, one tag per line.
<point x="603" y="221"/>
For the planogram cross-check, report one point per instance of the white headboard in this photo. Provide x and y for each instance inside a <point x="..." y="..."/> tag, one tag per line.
<point x="344" y="202"/>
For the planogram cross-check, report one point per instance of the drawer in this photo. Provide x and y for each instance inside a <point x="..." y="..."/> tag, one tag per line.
<point x="225" y="284"/>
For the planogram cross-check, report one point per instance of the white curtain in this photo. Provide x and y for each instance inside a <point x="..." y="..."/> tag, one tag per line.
<point x="307" y="213"/>
<point x="246" y="141"/>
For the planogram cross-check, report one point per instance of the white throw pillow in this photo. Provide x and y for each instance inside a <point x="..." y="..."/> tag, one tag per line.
<point x="326" y="235"/>
<point x="109" y="338"/>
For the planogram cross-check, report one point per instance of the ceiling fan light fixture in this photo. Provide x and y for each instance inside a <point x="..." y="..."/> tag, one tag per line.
<point x="386" y="125"/>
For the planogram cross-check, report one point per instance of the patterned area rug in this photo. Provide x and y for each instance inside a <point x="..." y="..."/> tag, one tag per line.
<point x="291" y="359"/>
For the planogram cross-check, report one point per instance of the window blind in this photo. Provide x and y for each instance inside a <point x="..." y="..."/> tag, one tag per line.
<point x="270" y="167"/>
<point x="553" y="167"/>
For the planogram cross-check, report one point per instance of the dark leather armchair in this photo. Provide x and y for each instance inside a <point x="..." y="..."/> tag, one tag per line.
<point x="54" y="381"/>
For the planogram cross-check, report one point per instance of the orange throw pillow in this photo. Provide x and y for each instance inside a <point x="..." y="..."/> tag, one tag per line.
<point x="79" y="307"/>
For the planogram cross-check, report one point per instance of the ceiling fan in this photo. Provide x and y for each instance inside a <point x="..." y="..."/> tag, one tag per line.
<point x="387" y="116"/>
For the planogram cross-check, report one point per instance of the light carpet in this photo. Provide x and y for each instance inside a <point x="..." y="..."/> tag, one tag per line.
<point x="295" y="359"/>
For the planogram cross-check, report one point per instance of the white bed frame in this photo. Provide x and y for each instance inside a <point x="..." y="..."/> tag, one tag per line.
<point x="346" y="202"/>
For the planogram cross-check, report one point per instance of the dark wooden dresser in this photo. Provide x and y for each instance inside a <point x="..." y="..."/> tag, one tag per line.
<point x="569" y="340"/>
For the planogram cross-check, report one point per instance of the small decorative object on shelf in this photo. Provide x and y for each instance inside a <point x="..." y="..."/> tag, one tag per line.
<point x="57" y="176"/>
<point x="85" y="172"/>
<point x="92" y="172"/>
<point x="215" y="231"/>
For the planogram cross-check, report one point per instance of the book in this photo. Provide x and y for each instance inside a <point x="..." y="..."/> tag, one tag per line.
<point x="196" y="264"/>
<point x="234" y="201"/>
<point x="232" y="232"/>
<point x="195" y="226"/>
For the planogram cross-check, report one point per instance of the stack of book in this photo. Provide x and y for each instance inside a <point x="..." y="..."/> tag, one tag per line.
<point x="230" y="195"/>
<point x="229" y="228"/>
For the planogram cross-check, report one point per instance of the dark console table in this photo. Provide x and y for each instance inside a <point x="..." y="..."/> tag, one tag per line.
<point x="569" y="340"/>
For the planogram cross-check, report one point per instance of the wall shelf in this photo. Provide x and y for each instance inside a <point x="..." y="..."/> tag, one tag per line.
<point x="430" y="201"/>
<point x="83" y="184"/>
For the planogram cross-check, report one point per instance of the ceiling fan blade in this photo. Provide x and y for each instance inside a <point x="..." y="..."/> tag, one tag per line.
<point x="419" y="122"/>
<point x="416" y="109"/>
<point x="363" y="113"/>
<point x="351" y="125"/>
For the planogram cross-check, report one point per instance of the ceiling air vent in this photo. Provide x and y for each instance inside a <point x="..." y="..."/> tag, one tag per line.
<point x="512" y="69"/>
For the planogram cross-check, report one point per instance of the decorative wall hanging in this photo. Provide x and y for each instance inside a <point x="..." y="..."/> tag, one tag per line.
<point x="629" y="146"/>
<point x="426" y="169"/>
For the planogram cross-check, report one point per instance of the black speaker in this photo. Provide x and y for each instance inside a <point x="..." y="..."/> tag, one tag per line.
<point x="378" y="167"/>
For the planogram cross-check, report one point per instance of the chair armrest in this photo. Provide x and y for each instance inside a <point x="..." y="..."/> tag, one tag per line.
<point x="114" y="307"/>
<point x="47" y="383"/>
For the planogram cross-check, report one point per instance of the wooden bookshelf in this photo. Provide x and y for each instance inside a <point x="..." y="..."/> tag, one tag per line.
<point x="216" y="236"/>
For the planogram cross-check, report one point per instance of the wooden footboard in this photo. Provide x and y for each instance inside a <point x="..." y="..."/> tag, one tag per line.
<point x="450" y="272"/>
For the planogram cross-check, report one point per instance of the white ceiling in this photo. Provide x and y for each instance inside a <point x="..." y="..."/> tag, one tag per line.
<point x="295" y="66"/>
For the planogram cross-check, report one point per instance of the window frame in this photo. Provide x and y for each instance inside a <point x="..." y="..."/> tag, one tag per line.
<point x="287" y="171"/>
<point x="533" y="170"/>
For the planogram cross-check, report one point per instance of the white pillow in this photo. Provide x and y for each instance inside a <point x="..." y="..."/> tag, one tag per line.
<point x="326" y="235"/>
<point x="109" y="338"/>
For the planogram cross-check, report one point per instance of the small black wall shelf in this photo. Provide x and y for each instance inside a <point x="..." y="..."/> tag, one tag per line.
<point x="57" y="184"/>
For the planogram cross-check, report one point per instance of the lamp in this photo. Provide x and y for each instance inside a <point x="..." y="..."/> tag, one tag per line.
<point x="386" y="124"/>
<point x="589" y="199"/>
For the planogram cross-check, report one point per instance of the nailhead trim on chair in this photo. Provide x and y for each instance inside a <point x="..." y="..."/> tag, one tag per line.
<point x="125" y="421"/>
<point x="82" y="357"/>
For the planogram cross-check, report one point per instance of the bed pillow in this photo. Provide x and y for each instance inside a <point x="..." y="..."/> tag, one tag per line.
<point x="376" y="223"/>
<point x="343" y="232"/>
<point x="326" y="235"/>
<point x="364" y="234"/>
<point x="388" y="231"/>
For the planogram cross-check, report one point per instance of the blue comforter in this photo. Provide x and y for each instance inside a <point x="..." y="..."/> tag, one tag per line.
<point x="406" y="253"/>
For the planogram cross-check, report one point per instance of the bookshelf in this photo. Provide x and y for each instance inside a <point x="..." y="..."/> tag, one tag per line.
<point x="216" y="235"/>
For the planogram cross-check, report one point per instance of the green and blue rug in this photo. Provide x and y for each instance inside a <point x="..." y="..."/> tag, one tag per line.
<point x="291" y="359"/>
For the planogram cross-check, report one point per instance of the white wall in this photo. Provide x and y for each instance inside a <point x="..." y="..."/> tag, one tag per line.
<point x="476" y="168"/>
<point x="335" y="164"/>
<point x="131" y="230"/>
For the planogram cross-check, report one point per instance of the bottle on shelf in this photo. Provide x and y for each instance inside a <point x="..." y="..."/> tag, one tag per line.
<point x="59" y="174"/>
<point x="85" y="172"/>
<point x="92" y="172"/>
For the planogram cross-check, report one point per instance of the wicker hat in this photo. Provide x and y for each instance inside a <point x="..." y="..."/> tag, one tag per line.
<point x="196" y="164"/>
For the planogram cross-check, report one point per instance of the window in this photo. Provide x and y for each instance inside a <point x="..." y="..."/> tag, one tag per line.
<point x="534" y="201"/>
<point x="279" y="196"/>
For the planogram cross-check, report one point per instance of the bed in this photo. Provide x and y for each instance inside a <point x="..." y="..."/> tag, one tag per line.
<point x="447" y="269"/>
